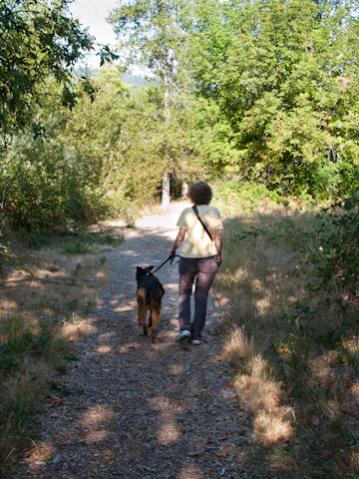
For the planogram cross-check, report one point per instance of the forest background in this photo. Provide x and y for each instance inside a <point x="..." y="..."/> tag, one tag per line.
<point x="259" y="97"/>
<point x="246" y="92"/>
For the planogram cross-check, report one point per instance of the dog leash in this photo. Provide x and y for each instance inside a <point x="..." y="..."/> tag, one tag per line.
<point x="163" y="263"/>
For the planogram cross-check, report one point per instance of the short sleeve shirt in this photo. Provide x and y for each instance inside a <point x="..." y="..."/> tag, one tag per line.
<point x="197" y="243"/>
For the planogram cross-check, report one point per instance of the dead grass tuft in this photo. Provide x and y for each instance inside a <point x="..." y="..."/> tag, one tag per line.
<point x="263" y="396"/>
<point x="76" y="327"/>
<point x="238" y="347"/>
<point x="271" y="427"/>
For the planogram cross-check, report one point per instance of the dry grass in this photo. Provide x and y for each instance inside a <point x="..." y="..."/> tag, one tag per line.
<point x="238" y="347"/>
<point x="45" y="299"/>
<point x="258" y="390"/>
<point x="294" y="350"/>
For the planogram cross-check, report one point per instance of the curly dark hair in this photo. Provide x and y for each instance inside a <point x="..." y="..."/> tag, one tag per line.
<point x="200" y="193"/>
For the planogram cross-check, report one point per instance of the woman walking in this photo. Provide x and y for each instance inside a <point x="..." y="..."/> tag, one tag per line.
<point x="199" y="244"/>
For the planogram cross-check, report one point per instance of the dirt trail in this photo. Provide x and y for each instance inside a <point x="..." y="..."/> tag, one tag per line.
<point x="138" y="411"/>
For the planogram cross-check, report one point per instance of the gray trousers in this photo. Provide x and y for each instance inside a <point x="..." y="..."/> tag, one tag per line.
<point x="200" y="271"/>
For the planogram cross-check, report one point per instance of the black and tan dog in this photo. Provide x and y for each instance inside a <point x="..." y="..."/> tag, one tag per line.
<point x="149" y="298"/>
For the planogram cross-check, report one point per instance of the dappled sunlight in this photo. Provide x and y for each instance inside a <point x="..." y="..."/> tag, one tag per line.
<point x="354" y="461"/>
<point x="129" y="405"/>
<point x="222" y="302"/>
<point x="236" y="274"/>
<point x="263" y="287"/>
<point x="264" y="304"/>
<point x="257" y="285"/>
<point x="7" y="305"/>
<point x="15" y="276"/>
<point x="104" y="349"/>
<point x="45" y="301"/>
<point x="50" y="271"/>
<point x="40" y="453"/>
<point x="237" y="346"/>
<point x="272" y="421"/>
<point x="172" y="287"/>
<point x="100" y="275"/>
<point x="95" y="423"/>
<point x="155" y="351"/>
<point x="272" y="429"/>
<point x="126" y="348"/>
<point x="49" y="284"/>
<point x="110" y="226"/>
<point x="96" y="436"/>
<point x="354" y="391"/>
<point x="191" y="471"/>
<point x="322" y="369"/>
<point x="130" y="253"/>
<point x="351" y="344"/>
<point x="167" y="334"/>
<point x="168" y="432"/>
<point x="294" y="349"/>
<point x="73" y="331"/>
<point x="130" y="306"/>
<point x="175" y="369"/>
<point x="128" y="107"/>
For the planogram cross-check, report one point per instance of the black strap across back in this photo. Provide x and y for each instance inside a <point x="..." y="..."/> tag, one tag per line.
<point x="195" y="209"/>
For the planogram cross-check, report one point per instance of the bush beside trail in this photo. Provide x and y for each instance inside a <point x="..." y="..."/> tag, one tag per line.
<point x="290" y="281"/>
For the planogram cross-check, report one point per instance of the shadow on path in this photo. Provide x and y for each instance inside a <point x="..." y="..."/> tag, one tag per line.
<point x="137" y="411"/>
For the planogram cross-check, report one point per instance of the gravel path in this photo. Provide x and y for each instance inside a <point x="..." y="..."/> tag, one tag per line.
<point x="140" y="411"/>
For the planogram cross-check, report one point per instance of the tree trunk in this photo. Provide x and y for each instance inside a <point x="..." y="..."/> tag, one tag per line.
<point x="184" y="189"/>
<point x="166" y="184"/>
<point x="166" y="198"/>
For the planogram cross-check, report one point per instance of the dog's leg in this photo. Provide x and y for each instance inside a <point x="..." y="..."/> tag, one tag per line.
<point x="141" y="314"/>
<point x="151" y="332"/>
<point x="155" y="314"/>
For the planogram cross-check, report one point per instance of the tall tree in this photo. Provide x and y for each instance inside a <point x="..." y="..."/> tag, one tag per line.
<point x="37" y="38"/>
<point x="285" y="75"/>
<point x="154" y="36"/>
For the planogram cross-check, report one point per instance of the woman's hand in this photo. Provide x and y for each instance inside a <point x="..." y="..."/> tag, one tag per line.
<point x="219" y="259"/>
<point x="172" y="255"/>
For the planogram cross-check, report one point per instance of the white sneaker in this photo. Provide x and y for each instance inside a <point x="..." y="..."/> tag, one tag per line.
<point x="196" y="342"/>
<point x="183" y="335"/>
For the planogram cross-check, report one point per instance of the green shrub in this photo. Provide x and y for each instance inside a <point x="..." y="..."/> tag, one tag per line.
<point x="79" y="242"/>
<point x="46" y="184"/>
<point x="335" y="251"/>
<point x="238" y="195"/>
<point x="20" y="339"/>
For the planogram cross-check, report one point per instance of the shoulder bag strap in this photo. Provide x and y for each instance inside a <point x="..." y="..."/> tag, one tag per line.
<point x="195" y="209"/>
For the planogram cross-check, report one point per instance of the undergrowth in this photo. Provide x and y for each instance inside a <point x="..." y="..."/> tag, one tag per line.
<point x="49" y="285"/>
<point x="30" y="352"/>
<point x="291" y="280"/>
<point x="248" y="197"/>
<point x="79" y="242"/>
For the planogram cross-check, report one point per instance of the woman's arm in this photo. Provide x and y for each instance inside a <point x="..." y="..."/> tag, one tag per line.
<point x="218" y="241"/>
<point x="180" y="237"/>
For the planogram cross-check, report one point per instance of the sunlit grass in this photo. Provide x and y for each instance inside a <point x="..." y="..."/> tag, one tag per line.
<point x="81" y="242"/>
<point x="30" y="351"/>
<point x="45" y="301"/>
<point x="294" y="350"/>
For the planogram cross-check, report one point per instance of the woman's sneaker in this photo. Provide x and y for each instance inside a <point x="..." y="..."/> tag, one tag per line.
<point x="197" y="342"/>
<point x="183" y="336"/>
